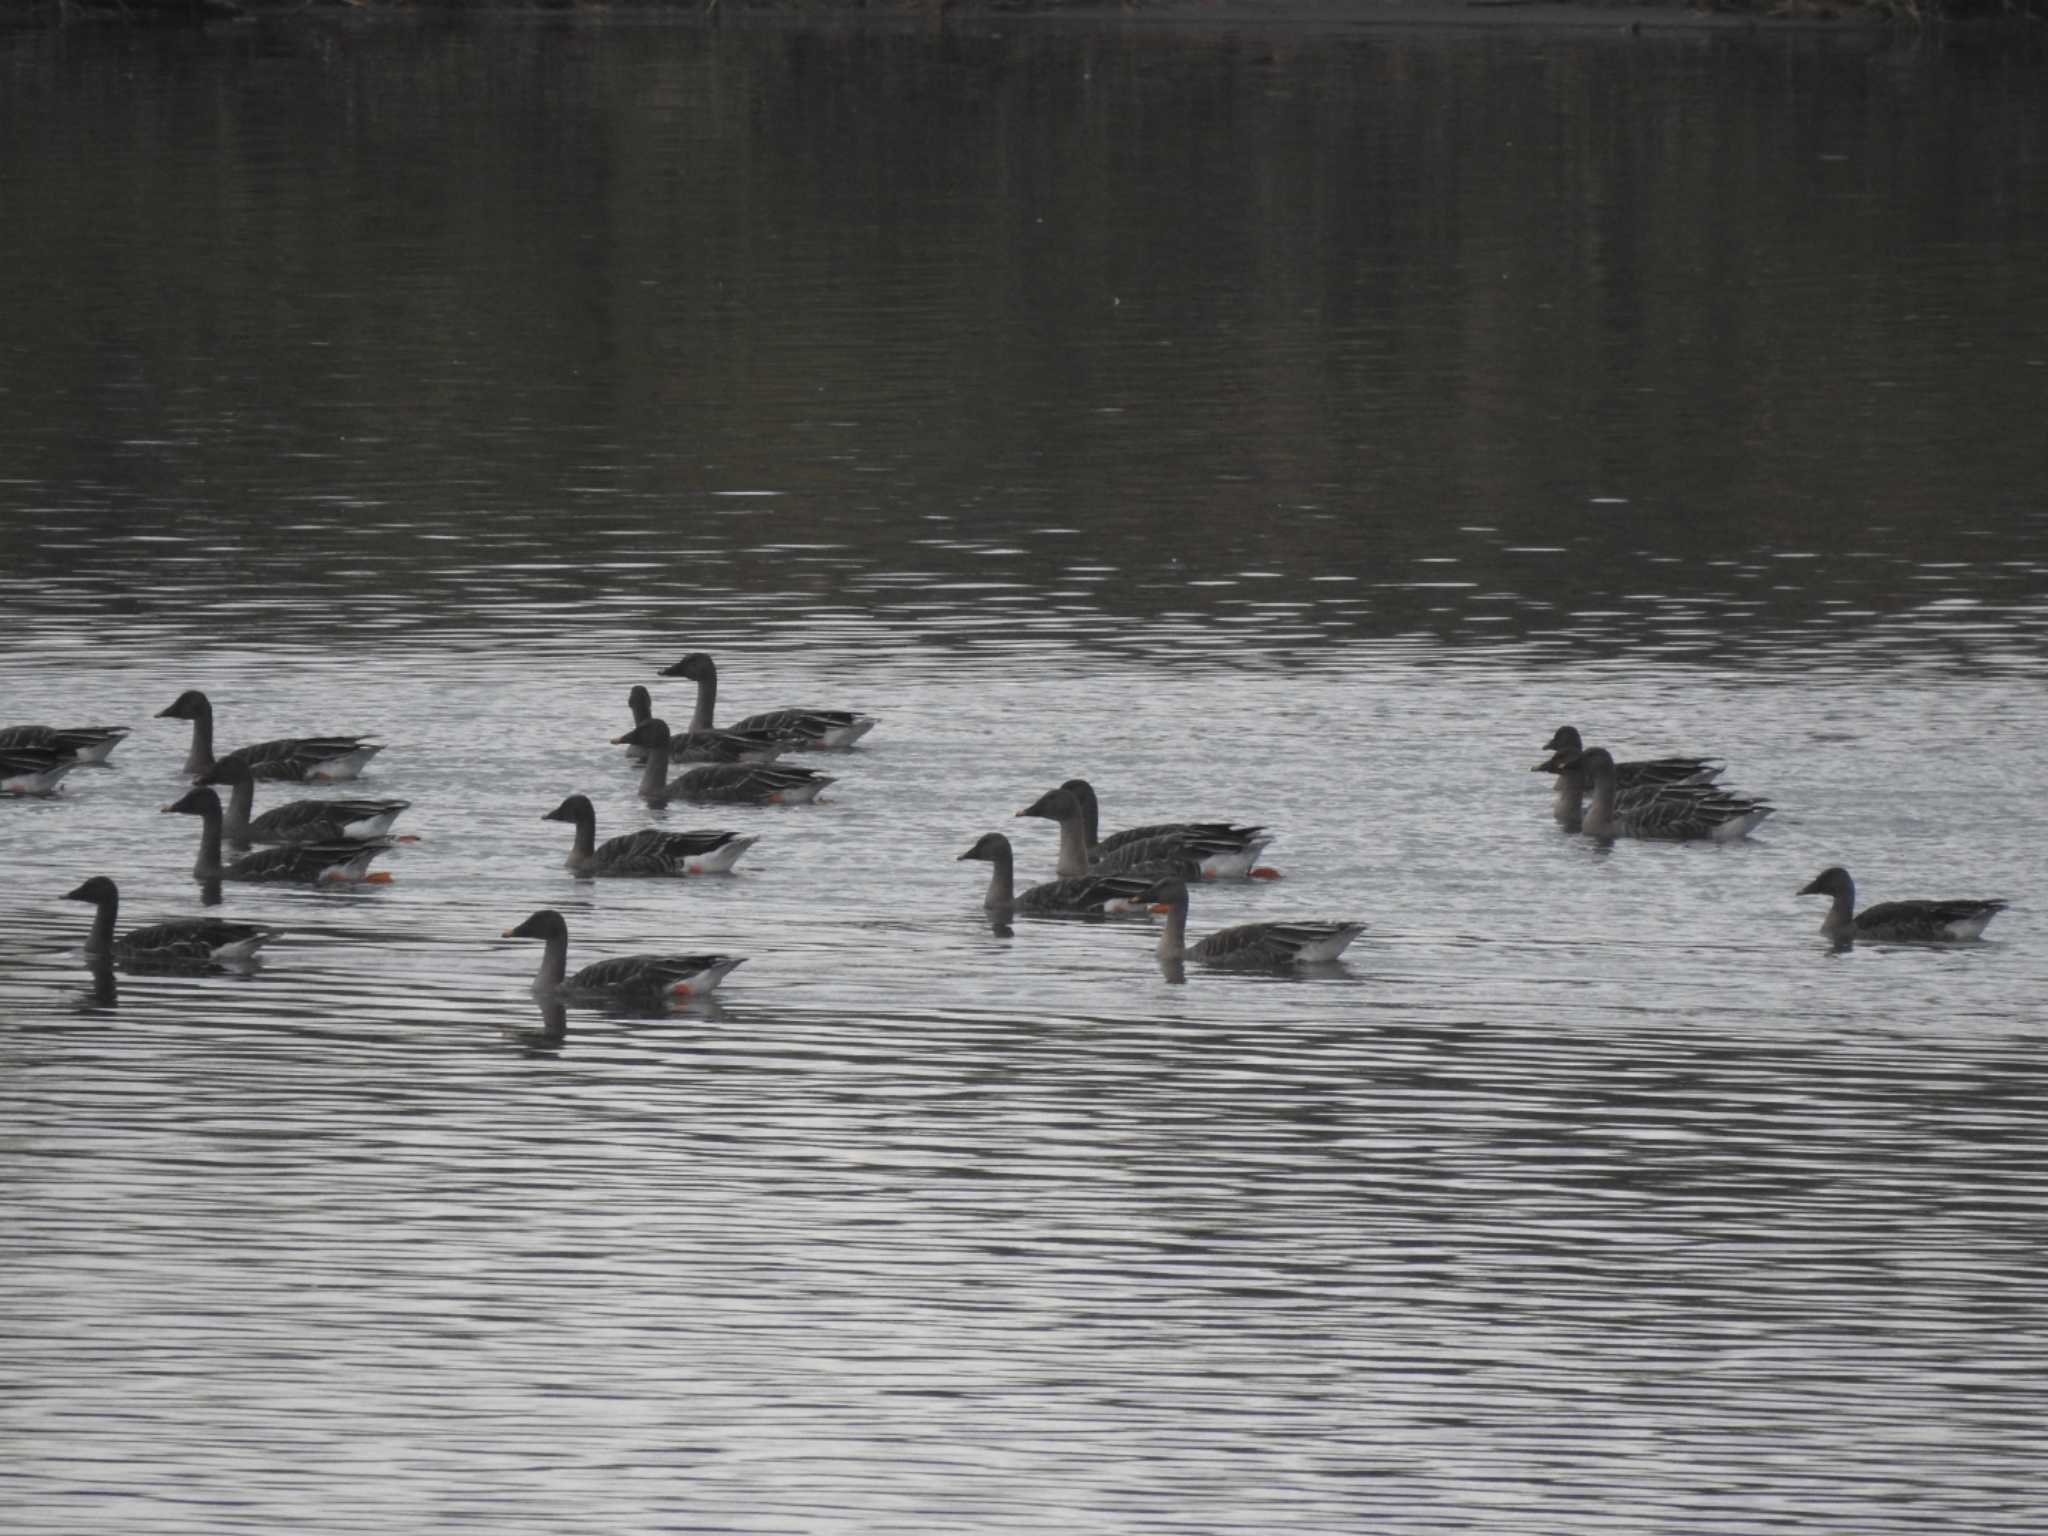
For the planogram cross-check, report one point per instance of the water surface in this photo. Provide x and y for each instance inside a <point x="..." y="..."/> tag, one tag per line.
<point x="1293" y="426"/>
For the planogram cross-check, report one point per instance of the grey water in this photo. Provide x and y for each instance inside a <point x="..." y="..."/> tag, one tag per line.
<point x="1293" y="423"/>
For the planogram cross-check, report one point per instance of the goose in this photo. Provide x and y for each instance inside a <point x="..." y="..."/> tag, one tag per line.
<point x="802" y="728"/>
<point x="705" y="746"/>
<point x="1231" y="852"/>
<point x="1568" y="802"/>
<point x="289" y="757"/>
<point x="630" y="979"/>
<point x="333" y="860"/>
<point x="718" y="783"/>
<point x="1269" y="944"/>
<point x="180" y="942"/>
<point x="1190" y="857"/>
<point x="1897" y="922"/>
<point x="650" y="851"/>
<point x="1094" y="895"/>
<point x="33" y="770"/>
<point x="1639" y="773"/>
<point x="298" y="821"/>
<point x="1685" y="812"/>
<point x="83" y="744"/>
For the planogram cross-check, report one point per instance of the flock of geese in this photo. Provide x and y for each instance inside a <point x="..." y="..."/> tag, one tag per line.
<point x="1143" y="870"/>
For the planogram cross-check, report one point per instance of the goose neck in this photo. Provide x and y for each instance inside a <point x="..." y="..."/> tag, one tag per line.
<point x="1173" y="942"/>
<point x="208" y="865"/>
<point x="554" y="962"/>
<point x="1841" y="918"/>
<point x="241" y="800"/>
<point x="1073" y="846"/>
<point x="200" y="757"/>
<point x="1002" y="881"/>
<point x="707" y="700"/>
<point x="1599" y="816"/>
<point x="584" y="850"/>
<point x="100" y="941"/>
<point x="653" y="779"/>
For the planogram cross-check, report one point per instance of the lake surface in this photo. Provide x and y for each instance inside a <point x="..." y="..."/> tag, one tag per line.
<point x="1296" y="425"/>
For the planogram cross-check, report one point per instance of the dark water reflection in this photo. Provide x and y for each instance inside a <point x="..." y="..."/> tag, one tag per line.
<point x="1293" y="425"/>
<point x="1693" y="347"/>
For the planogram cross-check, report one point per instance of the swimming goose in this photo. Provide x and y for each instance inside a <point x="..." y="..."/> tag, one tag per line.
<point x="706" y="746"/>
<point x="1638" y="773"/>
<point x="720" y="783"/>
<point x="1897" y="922"/>
<point x="633" y="979"/>
<point x="289" y="757"/>
<point x="183" y="941"/>
<point x="1678" y="812"/>
<point x="335" y="859"/>
<point x="1189" y="857"/>
<point x="1094" y="895"/>
<point x="1229" y="851"/>
<point x="83" y="744"/>
<point x="1568" y="801"/>
<point x="802" y="728"/>
<point x="1269" y="944"/>
<point x="33" y="770"/>
<point x="298" y="821"/>
<point x="650" y="851"/>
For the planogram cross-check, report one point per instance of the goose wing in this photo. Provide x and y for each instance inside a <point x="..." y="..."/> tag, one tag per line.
<point x="652" y="851"/>
<point x="651" y="977"/>
<point x="748" y="784"/>
<point x="1927" y="921"/>
<point x="80" y="743"/>
<point x="805" y="727"/>
<point x="191" y="941"/>
<point x="1652" y="771"/>
<point x="1219" y="833"/>
<point x="1680" y="812"/>
<point x="313" y="821"/>
<point x="1090" y="895"/>
<point x="300" y="757"/>
<point x="1193" y="855"/>
<point x="341" y="858"/>
<point x="733" y="746"/>
<point x="1277" y="943"/>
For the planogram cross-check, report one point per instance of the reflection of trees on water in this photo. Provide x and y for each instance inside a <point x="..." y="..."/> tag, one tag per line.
<point x="1586" y="341"/>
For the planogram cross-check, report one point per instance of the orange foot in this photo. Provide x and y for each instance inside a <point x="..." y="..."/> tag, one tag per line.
<point x="1266" y="872"/>
<point x="379" y="877"/>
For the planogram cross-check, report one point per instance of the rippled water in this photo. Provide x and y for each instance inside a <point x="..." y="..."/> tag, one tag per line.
<point x="1232" y="418"/>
